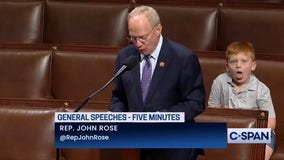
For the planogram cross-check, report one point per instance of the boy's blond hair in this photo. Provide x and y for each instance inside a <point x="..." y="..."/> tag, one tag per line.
<point x="240" y="47"/>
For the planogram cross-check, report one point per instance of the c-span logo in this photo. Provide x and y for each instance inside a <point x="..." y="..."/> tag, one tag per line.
<point x="249" y="135"/>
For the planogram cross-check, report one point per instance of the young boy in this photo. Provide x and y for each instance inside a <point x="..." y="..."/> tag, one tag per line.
<point x="240" y="88"/>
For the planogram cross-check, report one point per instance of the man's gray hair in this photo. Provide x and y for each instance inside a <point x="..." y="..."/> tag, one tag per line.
<point x="149" y="12"/>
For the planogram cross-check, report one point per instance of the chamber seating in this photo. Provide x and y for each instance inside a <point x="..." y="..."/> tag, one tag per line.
<point x="77" y="74"/>
<point x="200" y="25"/>
<point x="25" y="73"/>
<point x="59" y="50"/>
<point x="85" y="23"/>
<point x="235" y="119"/>
<point x="193" y="26"/>
<point x="27" y="132"/>
<point x="21" y="22"/>
<point x="262" y="27"/>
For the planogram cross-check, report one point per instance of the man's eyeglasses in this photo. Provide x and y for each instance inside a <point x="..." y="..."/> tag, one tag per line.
<point x="142" y="39"/>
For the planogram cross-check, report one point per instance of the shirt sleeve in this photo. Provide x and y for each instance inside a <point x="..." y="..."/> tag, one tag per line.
<point x="215" y="94"/>
<point x="264" y="100"/>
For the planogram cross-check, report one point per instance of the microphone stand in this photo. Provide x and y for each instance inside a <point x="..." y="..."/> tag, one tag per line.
<point x="101" y="89"/>
<point x="90" y="97"/>
<point x="129" y="63"/>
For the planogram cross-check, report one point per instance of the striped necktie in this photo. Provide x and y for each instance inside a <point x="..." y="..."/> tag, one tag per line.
<point x="146" y="76"/>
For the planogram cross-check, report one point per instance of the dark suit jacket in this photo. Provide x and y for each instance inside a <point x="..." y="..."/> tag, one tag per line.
<point x="176" y="85"/>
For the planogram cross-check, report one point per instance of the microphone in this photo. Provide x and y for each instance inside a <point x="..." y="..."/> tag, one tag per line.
<point x="128" y="64"/>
